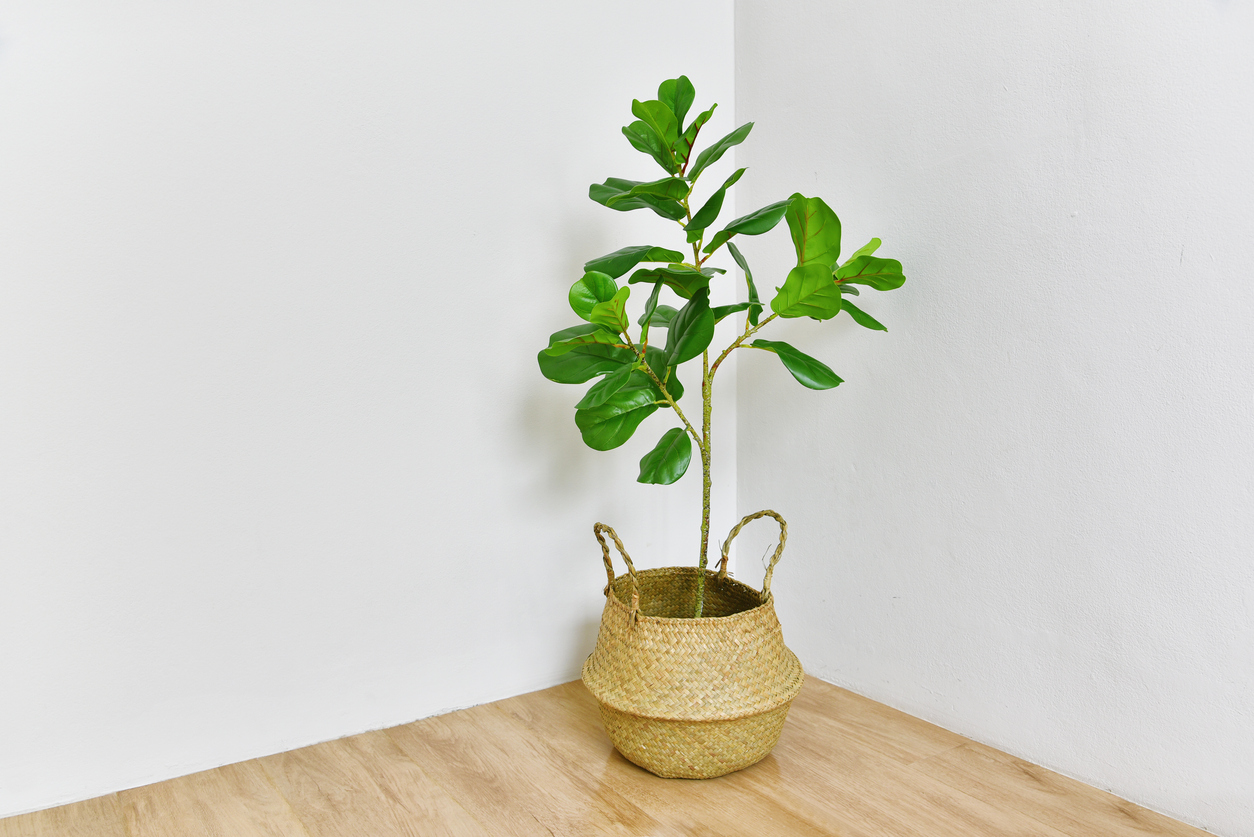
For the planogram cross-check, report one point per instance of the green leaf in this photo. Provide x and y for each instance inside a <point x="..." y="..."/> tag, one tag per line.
<point x="643" y="138"/>
<point x="583" y="363"/>
<point x="619" y="262"/>
<point x="595" y="287"/>
<point x="683" y="279"/>
<point x="683" y="147"/>
<point x="712" y="154"/>
<point x="660" y="119"/>
<point x="646" y="319"/>
<point x="881" y="274"/>
<point x="658" y="362"/>
<point x="850" y="290"/>
<point x="677" y="94"/>
<point x="612" y="314"/>
<point x="580" y="335"/>
<point x="668" y="460"/>
<point x="808" y="371"/>
<point x="662" y="314"/>
<point x="867" y="249"/>
<point x="755" y="223"/>
<point x="611" y="423"/>
<point x="668" y="188"/>
<point x="815" y="231"/>
<point x="708" y="213"/>
<point x="601" y="391"/>
<point x="691" y="330"/>
<point x="755" y="305"/>
<point x="721" y="311"/>
<point x="861" y="317"/>
<point x="616" y="186"/>
<point x="808" y="292"/>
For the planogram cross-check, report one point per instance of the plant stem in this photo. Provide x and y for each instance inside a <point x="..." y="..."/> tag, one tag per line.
<point x="707" y="390"/>
<point x="648" y="370"/>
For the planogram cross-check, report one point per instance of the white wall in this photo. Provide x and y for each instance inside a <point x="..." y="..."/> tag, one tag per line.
<point x="276" y="463"/>
<point x="1027" y="515"/>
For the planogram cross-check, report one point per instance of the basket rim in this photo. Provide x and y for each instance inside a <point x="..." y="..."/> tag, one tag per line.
<point x="610" y="596"/>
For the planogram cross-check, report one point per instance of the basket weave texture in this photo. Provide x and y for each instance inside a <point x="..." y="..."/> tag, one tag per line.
<point x="685" y="697"/>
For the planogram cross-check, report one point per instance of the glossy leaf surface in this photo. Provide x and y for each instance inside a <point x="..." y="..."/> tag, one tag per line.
<point x="662" y="316"/>
<point x="583" y="363"/>
<point x="866" y="249"/>
<point x="619" y="262"/>
<point x="755" y="304"/>
<point x="668" y="188"/>
<point x="815" y="231"/>
<point x="721" y="311"/>
<point x="614" y="187"/>
<point x="808" y="371"/>
<point x="581" y="335"/>
<point x="861" y="317"/>
<point x="668" y="461"/>
<point x="683" y="147"/>
<point x="808" y="292"/>
<point x="711" y="155"/>
<point x="610" y="424"/>
<point x="881" y="274"/>
<point x="708" y="213"/>
<point x="595" y="287"/>
<point x="755" y="223"/>
<point x="691" y="330"/>
<point x="643" y="138"/>
<point x="600" y="392"/>
<point x="660" y="119"/>
<point x="683" y="279"/>
<point x="677" y="94"/>
<point x="613" y="313"/>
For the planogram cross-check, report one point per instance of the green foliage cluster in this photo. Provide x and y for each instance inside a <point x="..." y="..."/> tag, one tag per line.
<point x="637" y="377"/>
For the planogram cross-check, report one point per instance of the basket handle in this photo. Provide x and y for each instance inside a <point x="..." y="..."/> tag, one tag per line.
<point x="779" y="550"/>
<point x="599" y="529"/>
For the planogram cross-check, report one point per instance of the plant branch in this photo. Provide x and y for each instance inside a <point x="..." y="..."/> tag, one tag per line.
<point x="648" y="370"/>
<point x="749" y="332"/>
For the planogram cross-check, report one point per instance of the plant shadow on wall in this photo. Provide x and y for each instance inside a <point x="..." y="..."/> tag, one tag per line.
<point x="690" y="669"/>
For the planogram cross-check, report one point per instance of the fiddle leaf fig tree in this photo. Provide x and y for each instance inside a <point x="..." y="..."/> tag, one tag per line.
<point x="638" y="375"/>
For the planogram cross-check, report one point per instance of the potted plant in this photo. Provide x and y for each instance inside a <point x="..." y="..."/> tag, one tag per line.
<point x="690" y="669"/>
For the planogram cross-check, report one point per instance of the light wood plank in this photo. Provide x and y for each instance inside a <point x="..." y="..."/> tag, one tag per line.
<point x="1066" y="804"/>
<point x="233" y="801"/>
<point x="100" y="817"/>
<point x="366" y="785"/>
<point x="515" y="784"/>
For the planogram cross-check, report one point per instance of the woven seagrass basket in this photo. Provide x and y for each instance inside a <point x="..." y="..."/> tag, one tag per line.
<point x="683" y="697"/>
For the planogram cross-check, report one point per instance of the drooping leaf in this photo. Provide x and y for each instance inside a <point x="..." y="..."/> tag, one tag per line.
<point x="660" y="119"/>
<point x="849" y="290"/>
<point x="881" y="274"/>
<point x="611" y="423"/>
<point x="580" y="335"/>
<point x="755" y="305"/>
<point x="708" y="213"/>
<point x="683" y="279"/>
<point x="613" y="313"/>
<point x="721" y="311"/>
<point x="808" y="292"/>
<point x="668" y="188"/>
<point x="755" y="223"/>
<point x="691" y="330"/>
<point x="808" y="371"/>
<point x="583" y="363"/>
<point x="593" y="288"/>
<point x="861" y="317"/>
<point x="668" y="461"/>
<point x="601" y="391"/>
<point x="615" y="186"/>
<point x="619" y="262"/>
<point x="683" y="146"/>
<point x="815" y="231"/>
<point x="711" y="155"/>
<point x="866" y="249"/>
<point x="677" y="94"/>
<point x="662" y="314"/>
<point x="644" y="139"/>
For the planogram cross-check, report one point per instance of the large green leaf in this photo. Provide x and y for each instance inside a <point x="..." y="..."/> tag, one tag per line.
<point x="615" y="186"/>
<point x="668" y="460"/>
<point x="708" y="213"/>
<point x="691" y="330"/>
<point x="881" y="274"/>
<point x="658" y="362"/>
<point x="808" y="371"/>
<point x="815" y="231"/>
<point x="721" y="311"/>
<point x="601" y="391"/>
<point x="808" y="292"/>
<point x="613" y="313"/>
<point x="683" y="279"/>
<point x="611" y="423"/>
<point x="683" y="146"/>
<point x="581" y="335"/>
<point x="643" y="138"/>
<point x="861" y="317"/>
<point x="583" y="363"/>
<point x="619" y="262"/>
<point x="755" y="223"/>
<point x="677" y="94"/>
<point x="755" y="305"/>
<point x="711" y="155"/>
<point x="668" y="188"/>
<point x="660" y="119"/>
<point x="593" y="288"/>
<point x="867" y="249"/>
<point x="660" y="316"/>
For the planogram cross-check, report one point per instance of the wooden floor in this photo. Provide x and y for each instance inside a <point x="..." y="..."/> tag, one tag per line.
<point x="540" y="764"/>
